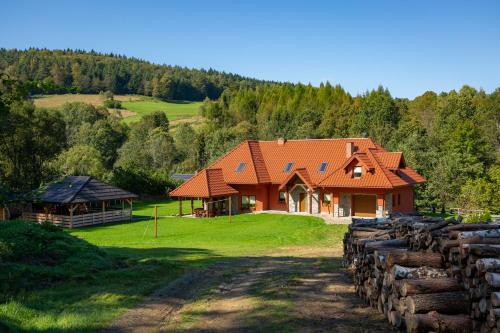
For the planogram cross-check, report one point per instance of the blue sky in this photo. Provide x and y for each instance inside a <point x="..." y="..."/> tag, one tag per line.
<point x="406" y="46"/>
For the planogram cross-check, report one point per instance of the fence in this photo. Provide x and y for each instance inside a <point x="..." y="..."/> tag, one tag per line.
<point x="80" y="220"/>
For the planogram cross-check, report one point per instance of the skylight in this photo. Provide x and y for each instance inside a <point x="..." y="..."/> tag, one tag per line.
<point x="288" y="167"/>
<point x="322" y="167"/>
<point x="240" y="167"/>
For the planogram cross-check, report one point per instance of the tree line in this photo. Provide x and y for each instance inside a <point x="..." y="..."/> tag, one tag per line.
<point x="452" y="138"/>
<point x="66" y="71"/>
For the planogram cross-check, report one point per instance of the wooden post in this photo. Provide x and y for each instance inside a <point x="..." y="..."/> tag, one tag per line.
<point x="71" y="210"/>
<point x="309" y="208"/>
<point x="123" y="207"/>
<point x="103" y="211"/>
<point x="286" y="201"/>
<point x="230" y="207"/>
<point x="192" y="206"/>
<point x="156" y="222"/>
<point x="180" y="206"/>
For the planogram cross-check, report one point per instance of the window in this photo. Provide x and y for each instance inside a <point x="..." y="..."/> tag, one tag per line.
<point x="240" y="167"/>
<point x="282" y="197"/>
<point x="247" y="201"/>
<point x="357" y="172"/>
<point x="322" y="167"/>
<point x="288" y="167"/>
<point x="326" y="198"/>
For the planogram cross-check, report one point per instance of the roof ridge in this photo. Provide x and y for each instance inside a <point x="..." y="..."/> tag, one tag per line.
<point x="381" y="166"/>
<point x="326" y="139"/>
<point x="255" y="148"/>
<point x="80" y="189"/>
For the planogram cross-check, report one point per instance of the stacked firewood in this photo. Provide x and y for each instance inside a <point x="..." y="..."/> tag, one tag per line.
<point x="428" y="274"/>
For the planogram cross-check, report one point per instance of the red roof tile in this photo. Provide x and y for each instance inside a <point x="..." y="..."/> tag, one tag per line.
<point x="206" y="183"/>
<point x="264" y="162"/>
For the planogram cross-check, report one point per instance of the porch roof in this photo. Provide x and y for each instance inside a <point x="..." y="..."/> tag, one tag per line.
<point x="302" y="174"/>
<point x="205" y="184"/>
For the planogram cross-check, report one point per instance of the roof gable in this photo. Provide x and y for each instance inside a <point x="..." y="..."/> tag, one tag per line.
<point x="302" y="174"/>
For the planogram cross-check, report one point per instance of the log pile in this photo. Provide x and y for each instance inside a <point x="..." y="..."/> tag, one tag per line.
<point x="428" y="274"/>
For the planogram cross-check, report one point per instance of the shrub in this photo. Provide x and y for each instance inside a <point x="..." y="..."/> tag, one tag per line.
<point x="478" y="217"/>
<point x="38" y="255"/>
<point x="112" y="104"/>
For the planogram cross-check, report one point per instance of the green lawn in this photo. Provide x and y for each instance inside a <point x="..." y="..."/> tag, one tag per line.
<point x="148" y="263"/>
<point x="173" y="110"/>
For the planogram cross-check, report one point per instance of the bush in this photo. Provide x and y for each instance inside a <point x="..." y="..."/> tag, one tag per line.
<point x="33" y="256"/>
<point x="112" y="104"/>
<point x="142" y="182"/>
<point x="478" y="217"/>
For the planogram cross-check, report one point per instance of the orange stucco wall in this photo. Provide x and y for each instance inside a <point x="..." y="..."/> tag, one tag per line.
<point x="267" y="197"/>
<point x="274" y="199"/>
<point x="405" y="202"/>
<point x="260" y="192"/>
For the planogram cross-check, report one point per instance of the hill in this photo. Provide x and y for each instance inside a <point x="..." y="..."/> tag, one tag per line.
<point x="134" y="106"/>
<point x="92" y="72"/>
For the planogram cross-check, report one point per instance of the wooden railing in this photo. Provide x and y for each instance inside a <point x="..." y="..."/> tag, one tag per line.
<point x="80" y="220"/>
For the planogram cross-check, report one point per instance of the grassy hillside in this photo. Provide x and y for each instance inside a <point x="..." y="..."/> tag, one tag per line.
<point x="135" y="106"/>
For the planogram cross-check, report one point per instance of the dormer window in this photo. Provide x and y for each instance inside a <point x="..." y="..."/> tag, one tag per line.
<point x="240" y="167"/>
<point x="288" y="167"/>
<point x="322" y="167"/>
<point x="356" y="172"/>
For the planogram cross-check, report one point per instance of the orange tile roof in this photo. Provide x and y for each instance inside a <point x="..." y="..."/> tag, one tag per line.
<point x="300" y="173"/>
<point x="205" y="184"/>
<point x="265" y="161"/>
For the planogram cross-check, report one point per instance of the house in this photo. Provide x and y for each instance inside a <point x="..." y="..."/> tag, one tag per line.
<point x="341" y="177"/>
<point x="78" y="201"/>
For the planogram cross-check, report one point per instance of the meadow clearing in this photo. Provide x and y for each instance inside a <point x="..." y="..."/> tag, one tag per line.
<point x="280" y="251"/>
<point x="134" y="106"/>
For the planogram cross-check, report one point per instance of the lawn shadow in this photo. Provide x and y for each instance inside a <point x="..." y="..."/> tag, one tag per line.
<point x="267" y="294"/>
<point x="136" y="273"/>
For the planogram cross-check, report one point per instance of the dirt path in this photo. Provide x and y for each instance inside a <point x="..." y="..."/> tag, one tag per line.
<point x="294" y="290"/>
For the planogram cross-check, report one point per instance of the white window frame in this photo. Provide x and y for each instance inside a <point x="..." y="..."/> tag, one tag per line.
<point x="357" y="171"/>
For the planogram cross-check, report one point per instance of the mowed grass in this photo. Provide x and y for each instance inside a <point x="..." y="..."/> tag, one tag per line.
<point x="173" y="110"/>
<point x="135" y="106"/>
<point x="182" y="244"/>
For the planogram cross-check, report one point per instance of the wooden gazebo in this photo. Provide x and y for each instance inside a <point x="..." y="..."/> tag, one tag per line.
<point x="209" y="186"/>
<point x="78" y="201"/>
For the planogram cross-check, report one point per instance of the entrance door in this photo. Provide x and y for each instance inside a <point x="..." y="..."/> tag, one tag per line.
<point x="364" y="205"/>
<point x="302" y="202"/>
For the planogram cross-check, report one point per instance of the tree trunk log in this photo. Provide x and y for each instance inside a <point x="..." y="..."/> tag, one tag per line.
<point x="448" y="302"/>
<point x="488" y="265"/>
<point x="433" y="321"/>
<point x="400" y="272"/>
<point x="419" y="286"/>
<point x="493" y="233"/>
<point x="493" y="279"/>
<point x="414" y="259"/>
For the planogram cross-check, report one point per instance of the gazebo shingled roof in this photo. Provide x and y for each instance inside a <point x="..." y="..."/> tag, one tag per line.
<point x="80" y="189"/>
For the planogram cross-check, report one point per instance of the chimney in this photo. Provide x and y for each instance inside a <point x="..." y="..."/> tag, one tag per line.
<point x="349" y="149"/>
<point x="281" y="141"/>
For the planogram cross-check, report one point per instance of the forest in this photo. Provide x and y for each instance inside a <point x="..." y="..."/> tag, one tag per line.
<point x="66" y="71"/>
<point x="452" y="138"/>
